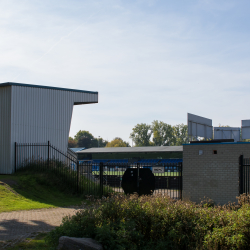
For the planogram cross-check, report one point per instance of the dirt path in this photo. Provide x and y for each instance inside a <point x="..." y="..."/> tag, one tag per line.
<point x="18" y="225"/>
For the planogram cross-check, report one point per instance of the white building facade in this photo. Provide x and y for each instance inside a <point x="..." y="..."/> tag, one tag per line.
<point x="36" y="114"/>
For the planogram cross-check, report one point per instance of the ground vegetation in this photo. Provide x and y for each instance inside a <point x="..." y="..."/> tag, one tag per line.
<point x="158" y="222"/>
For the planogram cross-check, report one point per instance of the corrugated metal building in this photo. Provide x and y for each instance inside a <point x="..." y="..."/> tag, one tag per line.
<point x="35" y="114"/>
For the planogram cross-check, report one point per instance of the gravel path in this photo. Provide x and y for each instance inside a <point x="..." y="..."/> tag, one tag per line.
<point x="18" y="225"/>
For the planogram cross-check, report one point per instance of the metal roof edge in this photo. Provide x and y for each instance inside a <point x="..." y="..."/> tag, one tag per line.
<point x="44" y="87"/>
<point x="130" y="150"/>
<point x="218" y="143"/>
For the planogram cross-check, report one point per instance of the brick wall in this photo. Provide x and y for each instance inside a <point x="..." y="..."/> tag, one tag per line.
<point x="214" y="176"/>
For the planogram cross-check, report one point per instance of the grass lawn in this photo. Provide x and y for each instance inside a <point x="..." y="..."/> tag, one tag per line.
<point x="36" y="243"/>
<point x="26" y="191"/>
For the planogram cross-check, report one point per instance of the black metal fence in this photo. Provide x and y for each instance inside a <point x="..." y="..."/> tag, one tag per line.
<point x="244" y="175"/>
<point x="167" y="178"/>
<point x="99" y="177"/>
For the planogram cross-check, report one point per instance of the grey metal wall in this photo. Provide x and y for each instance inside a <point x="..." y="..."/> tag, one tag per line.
<point x="5" y="130"/>
<point x="40" y="115"/>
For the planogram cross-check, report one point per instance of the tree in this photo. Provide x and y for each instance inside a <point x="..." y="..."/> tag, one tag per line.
<point x="87" y="140"/>
<point x="141" y="135"/>
<point x="163" y="134"/>
<point x="102" y="142"/>
<point x="225" y="126"/>
<point x="180" y="134"/>
<point x="117" y="142"/>
<point x="72" y="143"/>
<point x="83" y="133"/>
<point x="84" y="139"/>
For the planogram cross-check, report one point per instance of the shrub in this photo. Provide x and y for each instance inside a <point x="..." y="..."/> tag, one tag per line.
<point x="158" y="222"/>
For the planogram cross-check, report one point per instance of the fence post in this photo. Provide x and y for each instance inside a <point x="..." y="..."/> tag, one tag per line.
<point x="241" y="174"/>
<point x="181" y="180"/>
<point x="77" y="181"/>
<point x="138" y="181"/>
<point x="15" y="154"/>
<point x="48" y="154"/>
<point x="101" y="178"/>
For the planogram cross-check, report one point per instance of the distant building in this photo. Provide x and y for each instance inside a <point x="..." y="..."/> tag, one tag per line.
<point x="130" y="153"/>
<point x="75" y="150"/>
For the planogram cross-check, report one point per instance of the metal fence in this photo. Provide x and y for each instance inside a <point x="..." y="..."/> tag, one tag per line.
<point x="244" y="175"/>
<point x="44" y="157"/>
<point x="167" y="178"/>
<point x="99" y="177"/>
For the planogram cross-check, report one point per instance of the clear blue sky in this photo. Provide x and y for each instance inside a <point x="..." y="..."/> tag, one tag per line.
<point x="149" y="60"/>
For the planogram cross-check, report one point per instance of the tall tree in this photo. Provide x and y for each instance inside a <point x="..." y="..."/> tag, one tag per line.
<point x="163" y="134"/>
<point x="87" y="140"/>
<point x="84" y="142"/>
<point x="117" y="142"/>
<point x="180" y="134"/>
<point x="84" y="139"/>
<point x="72" y="143"/>
<point x="83" y="133"/>
<point x="141" y="135"/>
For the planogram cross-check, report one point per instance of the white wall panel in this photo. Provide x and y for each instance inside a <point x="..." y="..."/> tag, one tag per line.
<point x="245" y="129"/>
<point x="38" y="115"/>
<point x="199" y="126"/>
<point x="227" y="133"/>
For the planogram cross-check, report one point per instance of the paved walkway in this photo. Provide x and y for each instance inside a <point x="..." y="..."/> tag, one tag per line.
<point x="18" y="225"/>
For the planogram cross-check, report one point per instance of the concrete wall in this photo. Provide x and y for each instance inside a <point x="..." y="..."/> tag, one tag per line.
<point x="214" y="176"/>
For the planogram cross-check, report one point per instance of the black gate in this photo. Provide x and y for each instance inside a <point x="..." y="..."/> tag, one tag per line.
<point x="244" y="175"/>
<point x="141" y="178"/>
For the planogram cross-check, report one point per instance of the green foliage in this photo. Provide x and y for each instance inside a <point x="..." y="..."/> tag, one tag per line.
<point x="118" y="142"/>
<point x="180" y="134"/>
<point x="163" y="134"/>
<point x="83" y="133"/>
<point x="63" y="177"/>
<point x="36" y="243"/>
<point x="38" y="185"/>
<point x="85" y="139"/>
<point x="33" y="190"/>
<point x="72" y="143"/>
<point x="121" y="222"/>
<point x="158" y="222"/>
<point x="141" y="135"/>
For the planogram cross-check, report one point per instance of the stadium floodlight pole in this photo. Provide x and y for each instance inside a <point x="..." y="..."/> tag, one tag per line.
<point x="98" y="140"/>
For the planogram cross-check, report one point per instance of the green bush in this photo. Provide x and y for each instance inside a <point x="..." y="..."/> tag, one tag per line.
<point x="158" y="222"/>
<point x="59" y="174"/>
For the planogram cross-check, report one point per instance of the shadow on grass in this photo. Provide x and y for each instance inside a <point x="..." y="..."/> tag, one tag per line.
<point x="31" y="191"/>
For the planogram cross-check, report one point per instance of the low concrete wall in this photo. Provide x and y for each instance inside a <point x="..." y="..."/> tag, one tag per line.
<point x="210" y="175"/>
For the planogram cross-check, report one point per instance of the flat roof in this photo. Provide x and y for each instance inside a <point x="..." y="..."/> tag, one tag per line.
<point x="216" y="143"/>
<point x="76" y="149"/>
<point x="44" y="87"/>
<point x="133" y="149"/>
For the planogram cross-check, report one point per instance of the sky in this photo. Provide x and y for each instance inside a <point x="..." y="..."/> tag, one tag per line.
<point x="148" y="59"/>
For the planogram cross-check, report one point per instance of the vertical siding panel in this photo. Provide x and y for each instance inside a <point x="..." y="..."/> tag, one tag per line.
<point x="35" y="115"/>
<point x="5" y="130"/>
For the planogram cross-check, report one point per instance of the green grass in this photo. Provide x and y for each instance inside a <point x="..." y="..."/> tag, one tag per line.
<point x="31" y="190"/>
<point x="37" y="243"/>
